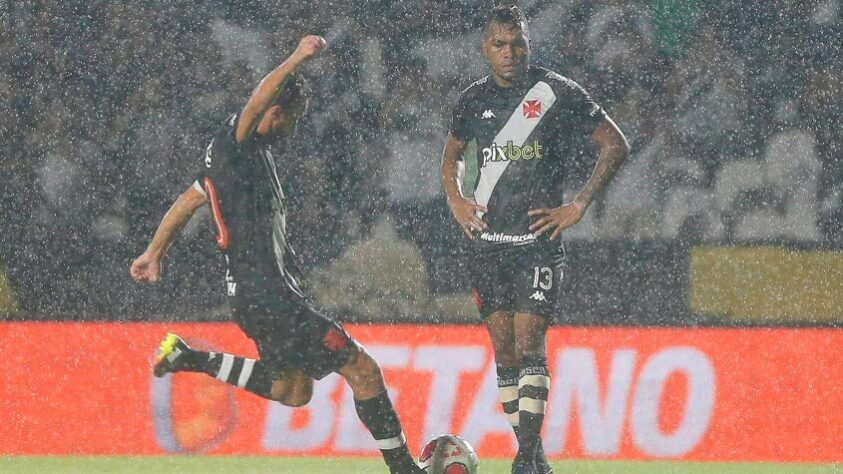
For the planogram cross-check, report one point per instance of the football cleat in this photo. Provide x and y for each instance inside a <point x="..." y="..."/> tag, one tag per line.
<point x="415" y="470"/>
<point x="522" y="466"/>
<point x="409" y="469"/>
<point x="171" y="349"/>
<point x="541" y="461"/>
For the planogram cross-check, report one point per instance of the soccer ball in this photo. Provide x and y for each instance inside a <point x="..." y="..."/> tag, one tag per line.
<point x="448" y="454"/>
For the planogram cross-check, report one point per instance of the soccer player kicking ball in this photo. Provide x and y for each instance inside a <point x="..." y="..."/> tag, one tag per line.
<point x="525" y="120"/>
<point x="296" y="343"/>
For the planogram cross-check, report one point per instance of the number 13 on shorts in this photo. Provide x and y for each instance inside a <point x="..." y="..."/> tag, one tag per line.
<point x="542" y="278"/>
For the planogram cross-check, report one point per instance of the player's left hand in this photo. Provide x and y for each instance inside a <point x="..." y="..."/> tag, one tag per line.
<point x="146" y="268"/>
<point x="559" y="218"/>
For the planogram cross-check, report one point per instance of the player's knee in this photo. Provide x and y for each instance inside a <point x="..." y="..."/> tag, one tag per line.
<point x="292" y="394"/>
<point x="530" y="346"/>
<point x="298" y="397"/>
<point x="366" y="366"/>
<point x="362" y="371"/>
<point x="506" y="355"/>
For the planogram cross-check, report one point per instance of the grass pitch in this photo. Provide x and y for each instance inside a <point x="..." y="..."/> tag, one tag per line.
<point x="275" y="465"/>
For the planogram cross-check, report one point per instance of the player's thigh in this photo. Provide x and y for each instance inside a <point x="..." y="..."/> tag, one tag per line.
<point x="322" y="345"/>
<point x="536" y="300"/>
<point x="537" y="284"/>
<point x="293" y="387"/>
<point x="267" y="320"/>
<point x="530" y="335"/>
<point x="501" y="327"/>
<point x="491" y="285"/>
<point x="290" y="333"/>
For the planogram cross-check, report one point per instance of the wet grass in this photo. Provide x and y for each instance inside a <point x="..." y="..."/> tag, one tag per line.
<point x="275" y="465"/>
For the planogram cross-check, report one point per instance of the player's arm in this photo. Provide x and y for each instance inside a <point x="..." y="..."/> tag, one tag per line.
<point x="614" y="150"/>
<point x="270" y="86"/>
<point x="464" y="210"/>
<point x="147" y="267"/>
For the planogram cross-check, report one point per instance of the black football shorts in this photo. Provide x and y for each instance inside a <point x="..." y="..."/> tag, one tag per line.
<point x="288" y="331"/>
<point x="520" y="280"/>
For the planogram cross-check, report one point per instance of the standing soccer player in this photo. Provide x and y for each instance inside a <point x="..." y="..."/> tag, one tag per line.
<point x="524" y="120"/>
<point x="296" y="343"/>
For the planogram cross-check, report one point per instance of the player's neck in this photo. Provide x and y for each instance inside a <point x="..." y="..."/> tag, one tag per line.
<point x="507" y="83"/>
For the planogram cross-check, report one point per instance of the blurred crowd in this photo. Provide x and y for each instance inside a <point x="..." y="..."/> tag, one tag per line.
<point x="732" y="110"/>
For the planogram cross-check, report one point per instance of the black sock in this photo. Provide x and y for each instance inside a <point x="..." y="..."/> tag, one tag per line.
<point x="533" y="387"/>
<point x="249" y="374"/>
<point x="382" y="421"/>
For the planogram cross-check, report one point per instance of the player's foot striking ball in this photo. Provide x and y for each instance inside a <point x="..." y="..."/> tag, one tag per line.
<point x="296" y="343"/>
<point x="525" y="122"/>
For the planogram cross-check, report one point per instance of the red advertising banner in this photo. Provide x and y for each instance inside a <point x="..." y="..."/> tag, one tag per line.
<point x="631" y="393"/>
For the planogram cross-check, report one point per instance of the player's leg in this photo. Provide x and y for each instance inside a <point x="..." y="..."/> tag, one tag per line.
<point x="322" y="346"/>
<point x="290" y="386"/>
<point x="376" y="411"/>
<point x="501" y="328"/>
<point x="533" y="386"/>
<point x="493" y="294"/>
<point x="535" y="303"/>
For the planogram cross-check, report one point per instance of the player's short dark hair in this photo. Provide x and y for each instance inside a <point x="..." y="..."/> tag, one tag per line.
<point x="507" y="15"/>
<point x="295" y="90"/>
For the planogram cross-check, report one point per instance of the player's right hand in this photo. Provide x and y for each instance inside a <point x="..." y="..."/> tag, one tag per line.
<point x="310" y="46"/>
<point x="146" y="269"/>
<point x="466" y="213"/>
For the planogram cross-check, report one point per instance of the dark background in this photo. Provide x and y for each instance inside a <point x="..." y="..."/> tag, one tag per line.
<point x="732" y="109"/>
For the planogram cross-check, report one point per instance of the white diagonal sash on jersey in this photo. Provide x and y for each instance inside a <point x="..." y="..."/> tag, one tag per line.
<point x="517" y="130"/>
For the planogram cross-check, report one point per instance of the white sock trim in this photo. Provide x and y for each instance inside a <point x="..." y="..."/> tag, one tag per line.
<point x="514" y="419"/>
<point x="391" y="443"/>
<point x="532" y="405"/>
<point x="225" y="368"/>
<point x="508" y="393"/>
<point x="535" y="380"/>
<point x="245" y="372"/>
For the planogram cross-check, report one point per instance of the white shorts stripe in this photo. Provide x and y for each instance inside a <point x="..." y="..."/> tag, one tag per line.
<point x="542" y="381"/>
<point x="225" y="368"/>
<point x="532" y="405"/>
<point x="246" y="372"/>
<point x="508" y="394"/>
<point x="392" y="443"/>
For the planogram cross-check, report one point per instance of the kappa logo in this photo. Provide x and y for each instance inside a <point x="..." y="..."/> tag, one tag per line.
<point x="538" y="296"/>
<point x="488" y="114"/>
<point x="532" y="109"/>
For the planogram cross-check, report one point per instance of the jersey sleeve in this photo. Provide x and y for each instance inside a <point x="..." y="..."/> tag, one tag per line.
<point x="460" y="127"/>
<point x="584" y="113"/>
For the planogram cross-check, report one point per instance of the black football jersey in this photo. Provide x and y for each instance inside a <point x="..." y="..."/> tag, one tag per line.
<point x="525" y="137"/>
<point x="249" y="212"/>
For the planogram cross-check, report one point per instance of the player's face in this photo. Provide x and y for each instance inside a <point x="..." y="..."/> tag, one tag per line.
<point x="284" y="120"/>
<point x="507" y="48"/>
